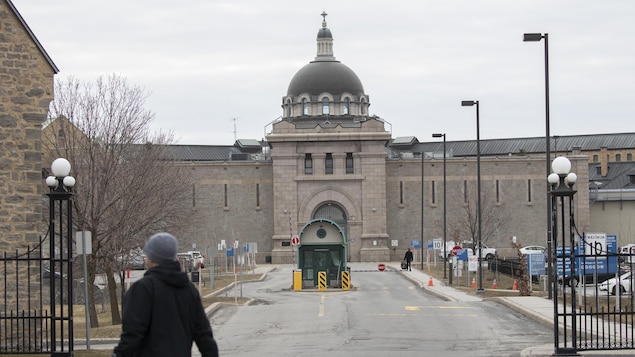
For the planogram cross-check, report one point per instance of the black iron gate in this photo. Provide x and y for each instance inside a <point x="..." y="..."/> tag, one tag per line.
<point x="36" y="315"/>
<point x="585" y="317"/>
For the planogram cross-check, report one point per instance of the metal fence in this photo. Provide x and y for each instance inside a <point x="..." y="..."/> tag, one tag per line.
<point x="35" y="316"/>
<point x="592" y="311"/>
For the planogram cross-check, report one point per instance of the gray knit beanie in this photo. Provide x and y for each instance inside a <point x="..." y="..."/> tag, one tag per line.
<point x="161" y="248"/>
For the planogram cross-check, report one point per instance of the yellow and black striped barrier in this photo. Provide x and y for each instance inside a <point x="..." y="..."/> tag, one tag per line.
<point x="321" y="280"/>
<point x="346" y="280"/>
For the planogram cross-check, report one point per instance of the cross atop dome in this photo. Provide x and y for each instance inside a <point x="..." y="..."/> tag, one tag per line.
<point x="324" y="15"/>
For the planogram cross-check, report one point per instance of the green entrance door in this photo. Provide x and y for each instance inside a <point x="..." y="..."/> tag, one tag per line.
<point x="327" y="259"/>
<point x="321" y="262"/>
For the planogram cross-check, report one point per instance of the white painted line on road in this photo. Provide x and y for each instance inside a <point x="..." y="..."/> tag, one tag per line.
<point x="321" y="313"/>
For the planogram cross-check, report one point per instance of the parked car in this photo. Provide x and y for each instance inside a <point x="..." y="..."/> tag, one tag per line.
<point x="611" y="285"/>
<point x="532" y="249"/>
<point x="137" y="262"/>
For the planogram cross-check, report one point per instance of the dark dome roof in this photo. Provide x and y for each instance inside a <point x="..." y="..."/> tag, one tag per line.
<point x="324" y="33"/>
<point x="325" y="76"/>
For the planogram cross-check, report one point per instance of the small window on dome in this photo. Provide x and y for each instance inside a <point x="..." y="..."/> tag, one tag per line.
<point x="347" y="103"/>
<point x="325" y="106"/>
<point x="305" y="107"/>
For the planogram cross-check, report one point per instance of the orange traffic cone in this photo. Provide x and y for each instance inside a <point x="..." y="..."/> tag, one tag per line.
<point x="515" y="286"/>
<point x="430" y="282"/>
<point x="494" y="284"/>
<point x="473" y="283"/>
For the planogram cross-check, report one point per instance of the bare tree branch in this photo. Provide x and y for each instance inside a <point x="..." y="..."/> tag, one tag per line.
<point x="127" y="184"/>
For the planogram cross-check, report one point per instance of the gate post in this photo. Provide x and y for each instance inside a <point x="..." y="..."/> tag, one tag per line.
<point x="561" y="183"/>
<point x="60" y="256"/>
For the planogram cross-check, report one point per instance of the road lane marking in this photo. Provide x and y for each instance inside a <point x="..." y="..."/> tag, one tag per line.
<point x="417" y="308"/>
<point x="321" y="311"/>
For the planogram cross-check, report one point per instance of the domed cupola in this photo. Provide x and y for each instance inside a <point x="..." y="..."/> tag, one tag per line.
<point x="325" y="86"/>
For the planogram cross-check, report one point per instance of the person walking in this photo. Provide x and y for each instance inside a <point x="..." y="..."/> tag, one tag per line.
<point x="162" y="312"/>
<point x="408" y="258"/>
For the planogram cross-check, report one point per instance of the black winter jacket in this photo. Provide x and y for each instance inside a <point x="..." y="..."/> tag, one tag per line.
<point x="163" y="315"/>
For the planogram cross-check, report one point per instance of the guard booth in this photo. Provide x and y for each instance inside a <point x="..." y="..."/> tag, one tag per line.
<point x="323" y="247"/>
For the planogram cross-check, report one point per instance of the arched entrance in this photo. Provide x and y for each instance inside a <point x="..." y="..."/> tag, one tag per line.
<point x="322" y="247"/>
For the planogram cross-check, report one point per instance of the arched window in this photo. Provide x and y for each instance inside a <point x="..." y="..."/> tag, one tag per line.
<point x="362" y="107"/>
<point x="331" y="211"/>
<point x="305" y="107"/>
<point x="347" y="104"/>
<point x="325" y="105"/>
<point x="287" y="108"/>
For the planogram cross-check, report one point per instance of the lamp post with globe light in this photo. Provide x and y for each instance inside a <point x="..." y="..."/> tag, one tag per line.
<point x="60" y="234"/>
<point x="561" y="183"/>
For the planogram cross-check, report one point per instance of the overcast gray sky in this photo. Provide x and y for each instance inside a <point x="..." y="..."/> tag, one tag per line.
<point x="208" y="62"/>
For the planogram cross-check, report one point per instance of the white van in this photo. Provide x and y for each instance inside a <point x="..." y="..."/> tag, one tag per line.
<point x="198" y="257"/>
<point x="627" y="253"/>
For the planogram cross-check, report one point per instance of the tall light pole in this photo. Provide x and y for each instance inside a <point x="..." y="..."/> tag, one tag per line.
<point x="445" y="230"/>
<point x="469" y="103"/>
<point x="536" y="37"/>
<point x="422" y="205"/>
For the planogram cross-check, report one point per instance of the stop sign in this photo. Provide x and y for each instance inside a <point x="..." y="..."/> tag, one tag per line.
<point x="456" y="249"/>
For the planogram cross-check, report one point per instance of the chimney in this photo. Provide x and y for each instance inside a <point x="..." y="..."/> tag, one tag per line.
<point x="604" y="161"/>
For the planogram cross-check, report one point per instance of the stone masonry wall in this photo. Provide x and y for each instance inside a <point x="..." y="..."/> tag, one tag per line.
<point x="26" y="89"/>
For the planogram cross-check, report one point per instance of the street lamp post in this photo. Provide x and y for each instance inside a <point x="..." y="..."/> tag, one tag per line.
<point x="469" y="103"/>
<point x="445" y="230"/>
<point x="561" y="182"/>
<point x="536" y="37"/>
<point x="422" y="205"/>
<point x="60" y="254"/>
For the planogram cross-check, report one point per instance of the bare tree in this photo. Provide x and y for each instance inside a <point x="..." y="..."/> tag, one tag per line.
<point x="127" y="184"/>
<point x="465" y="220"/>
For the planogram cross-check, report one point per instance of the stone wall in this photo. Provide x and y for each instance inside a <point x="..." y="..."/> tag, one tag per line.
<point x="26" y="89"/>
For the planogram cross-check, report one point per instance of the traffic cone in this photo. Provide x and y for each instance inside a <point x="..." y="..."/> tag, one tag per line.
<point x="473" y="283"/>
<point x="515" y="286"/>
<point x="430" y="282"/>
<point x="494" y="284"/>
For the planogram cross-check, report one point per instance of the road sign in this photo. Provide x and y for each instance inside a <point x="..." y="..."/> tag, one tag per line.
<point x="381" y="267"/>
<point x="438" y="243"/>
<point x="295" y="240"/>
<point x="456" y="249"/>
<point x="416" y="244"/>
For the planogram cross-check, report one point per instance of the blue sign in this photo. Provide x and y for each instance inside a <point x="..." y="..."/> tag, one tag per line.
<point x="461" y="255"/>
<point x="246" y="248"/>
<point x="430" y="245"/>
<point x="230" y="252"/>
<point x="415" y="244"/>
<point x="588" y="258"/>
<point x="536" y="263"/>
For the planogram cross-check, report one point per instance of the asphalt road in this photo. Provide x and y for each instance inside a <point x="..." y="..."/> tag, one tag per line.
<point x="384" y="315"/>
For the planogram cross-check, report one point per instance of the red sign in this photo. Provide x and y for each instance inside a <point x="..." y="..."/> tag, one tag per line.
<point x="381" y="267"/>
<point x="456" y="249"/>
<point x="295" y="240"/>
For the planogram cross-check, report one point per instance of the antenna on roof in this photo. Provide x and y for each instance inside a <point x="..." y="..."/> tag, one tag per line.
<point x="235" y="133"/>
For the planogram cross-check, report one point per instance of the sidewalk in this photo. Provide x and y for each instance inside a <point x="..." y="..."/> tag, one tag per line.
<point x="537" y="308"/>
